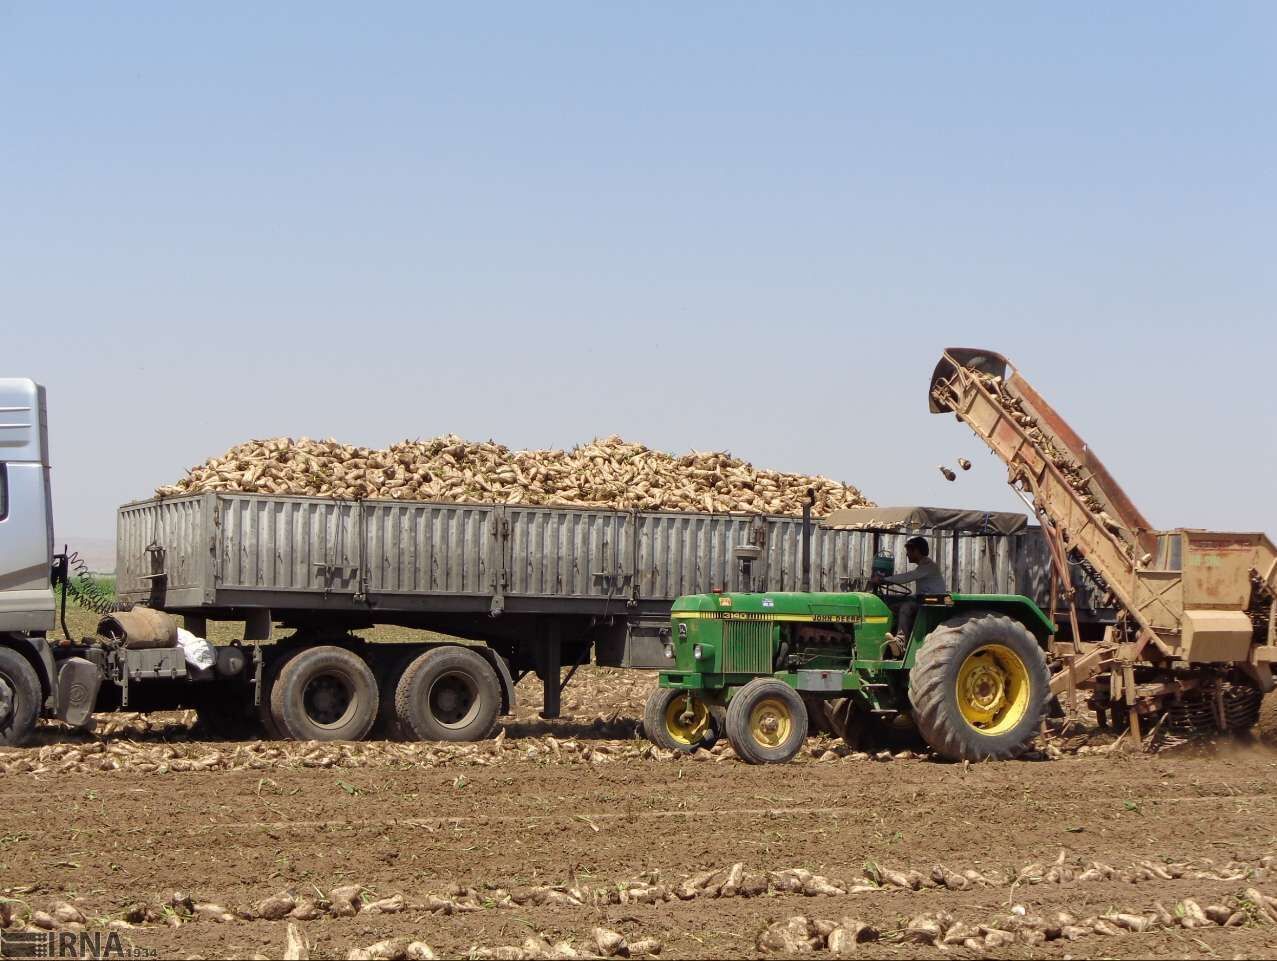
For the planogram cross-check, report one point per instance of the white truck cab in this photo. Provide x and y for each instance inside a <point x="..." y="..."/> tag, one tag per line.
<point x="26" y="510"/>
<point x="28" y="674"/>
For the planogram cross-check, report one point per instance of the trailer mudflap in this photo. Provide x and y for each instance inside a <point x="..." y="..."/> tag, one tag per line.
<point x="509" y="700"/>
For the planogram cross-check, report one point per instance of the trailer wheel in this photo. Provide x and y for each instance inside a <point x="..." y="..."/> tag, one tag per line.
<point x="979" y="688"/>
<point x="20" y="697"/>
<point x="448" y="694"/>
<point x="766" y="722"/>
<point x="265" y="713"/>
<point x="680" y="720"/>
<point x="389" y="672"/>
<point x="324" y="694"/>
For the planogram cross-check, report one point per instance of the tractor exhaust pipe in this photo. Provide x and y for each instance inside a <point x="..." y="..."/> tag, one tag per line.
<point x="807" y="506"/>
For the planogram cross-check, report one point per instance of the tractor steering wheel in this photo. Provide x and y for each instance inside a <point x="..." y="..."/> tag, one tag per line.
<point x="887" y="589"/>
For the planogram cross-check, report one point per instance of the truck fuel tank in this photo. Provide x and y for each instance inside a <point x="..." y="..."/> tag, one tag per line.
<point x="78" y="682"/>
<point x="231" y="661"/>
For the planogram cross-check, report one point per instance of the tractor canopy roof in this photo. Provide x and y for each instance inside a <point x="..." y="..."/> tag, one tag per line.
<point x="955" y="519"/>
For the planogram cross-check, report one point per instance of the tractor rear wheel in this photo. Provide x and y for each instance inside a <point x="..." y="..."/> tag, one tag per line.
<point x="979" y="688"/>
<point x="766" y="722"/>
<point x="680" y="720"/>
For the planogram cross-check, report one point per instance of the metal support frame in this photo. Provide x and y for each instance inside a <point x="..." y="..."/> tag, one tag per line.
<point x="1061" y="582"/>
<point x="807" y="506"/>
<point x="1132" y="707"/>
<point x="582" y="656"/>
<point x="549" y="667"/>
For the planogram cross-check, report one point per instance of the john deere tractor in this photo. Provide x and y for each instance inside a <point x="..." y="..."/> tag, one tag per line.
<point x="971" y="674"/>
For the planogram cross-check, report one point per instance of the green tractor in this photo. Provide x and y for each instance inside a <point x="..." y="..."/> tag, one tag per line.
<point x="971" y="674"/>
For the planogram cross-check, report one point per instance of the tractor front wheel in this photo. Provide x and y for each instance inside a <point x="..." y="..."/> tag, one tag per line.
<point x="766" y="722"/>
<point x="979" y="688"/>
<point x="680" y="720"/>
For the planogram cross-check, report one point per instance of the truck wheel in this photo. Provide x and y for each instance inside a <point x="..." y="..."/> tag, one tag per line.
<point x="324" y="694"/>
<point x="979" y="688"/>
<point x="448" y="694"/>
<point x="20" y="698"/>
<point x="766" y="722"/>
<point x="265" y="714"/>
<point x="389" y="672"/>
<point x="670" y="722"/>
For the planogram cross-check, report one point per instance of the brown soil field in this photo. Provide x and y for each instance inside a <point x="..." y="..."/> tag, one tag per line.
<point x="560" y="828"/>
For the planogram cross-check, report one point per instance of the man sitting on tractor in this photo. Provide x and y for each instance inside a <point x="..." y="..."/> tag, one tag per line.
<point x="925" y="576"/>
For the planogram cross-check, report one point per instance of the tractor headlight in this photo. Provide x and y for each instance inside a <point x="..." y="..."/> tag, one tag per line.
<point x="698" y="652"/>
<point x="669" y="651"/>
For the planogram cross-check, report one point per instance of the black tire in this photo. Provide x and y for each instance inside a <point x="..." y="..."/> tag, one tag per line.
<point x="766" y="722"/>
<point x="265" y="714"/>
<point x="389" y="672"/>
<point x="1003" y="672"/>
<point x="20" y="697"/>
<point x="324" y="694"/>
<point x="448" y="694"/>
<point x="663" y="725"/>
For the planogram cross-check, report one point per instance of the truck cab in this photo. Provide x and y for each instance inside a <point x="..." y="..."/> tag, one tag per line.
<point x="27" y="608"/>
<point x="26" y="513"/>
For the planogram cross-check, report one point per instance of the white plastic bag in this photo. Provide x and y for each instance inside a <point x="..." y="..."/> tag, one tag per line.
<point x="198" y="652"/>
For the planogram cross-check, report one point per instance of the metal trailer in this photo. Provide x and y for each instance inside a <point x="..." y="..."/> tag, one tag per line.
<point x="539" y="588"/>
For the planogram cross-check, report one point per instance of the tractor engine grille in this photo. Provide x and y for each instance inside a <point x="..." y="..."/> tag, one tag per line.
<point x="747" y="647"/>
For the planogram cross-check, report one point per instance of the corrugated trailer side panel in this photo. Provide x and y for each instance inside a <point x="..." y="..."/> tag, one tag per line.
<point x="246" y="544"/>
<point x="565" y="553"/>
<point x="978" y="565"/>
<point x="416" y="548"/>
<point x="831" y="553"/>
<point x="1032" y="572"/>
<point x="182" y="529"/>
<point x="687" y="553"/>
<point x="288" y="544"/>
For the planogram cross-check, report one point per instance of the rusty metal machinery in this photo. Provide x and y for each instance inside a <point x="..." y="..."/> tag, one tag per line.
<point x="1196" y="629"/>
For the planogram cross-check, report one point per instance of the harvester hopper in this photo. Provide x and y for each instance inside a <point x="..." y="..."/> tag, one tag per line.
<point x="1197" y="609"/>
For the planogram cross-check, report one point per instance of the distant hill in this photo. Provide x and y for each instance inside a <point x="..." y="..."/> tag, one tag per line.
<point x="97" y="552"/>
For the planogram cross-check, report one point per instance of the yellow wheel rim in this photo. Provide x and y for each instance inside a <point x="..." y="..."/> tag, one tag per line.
<point x="993" y="689"/>
<point x="687" y="719"/>
<point x="770" y="722"/>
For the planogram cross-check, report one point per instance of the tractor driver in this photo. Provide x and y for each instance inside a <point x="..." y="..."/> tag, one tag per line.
<point x="925" y="577"/>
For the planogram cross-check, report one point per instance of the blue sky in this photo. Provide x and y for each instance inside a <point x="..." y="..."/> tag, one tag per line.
<point x="723" y="226"/>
